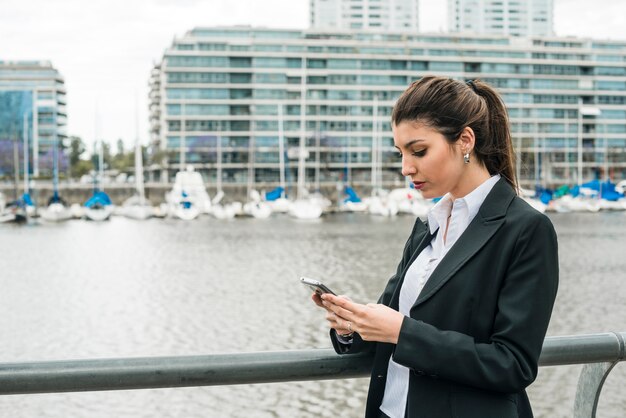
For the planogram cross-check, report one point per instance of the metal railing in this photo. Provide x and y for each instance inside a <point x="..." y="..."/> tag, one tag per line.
<point x="599" y="352"/>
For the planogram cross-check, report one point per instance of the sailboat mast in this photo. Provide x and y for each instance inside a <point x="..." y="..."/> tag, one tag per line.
<point x="281" y="147"/>
<point x="101" y="166"/>
<point x="138" y="157"/>
<point x="25" y="133"/>
<point x="182" y="137"/>
<point x="219" y="163"/>
<point x="579" y="164"/>
<point x="55" y="167"/>
<point x="301" y="160"/>
<point x="374" y="143"/>
<point x="16" y="166"/>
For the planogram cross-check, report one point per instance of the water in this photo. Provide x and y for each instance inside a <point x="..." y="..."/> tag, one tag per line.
<point x="163" y="287"/>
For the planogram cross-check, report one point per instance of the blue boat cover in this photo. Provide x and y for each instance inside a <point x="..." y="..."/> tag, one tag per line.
<point x="98" y="199"/>
<point x="274" y="194"/>
<point x="27" y="199"/>
<point x="606" y="189"/>
<point x="352" y="196"/>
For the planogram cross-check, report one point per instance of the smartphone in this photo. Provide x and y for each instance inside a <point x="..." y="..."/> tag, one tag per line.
<point x="317" y="286"/>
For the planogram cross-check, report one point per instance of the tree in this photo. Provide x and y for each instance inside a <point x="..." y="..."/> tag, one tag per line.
<point x="78" y="165"/>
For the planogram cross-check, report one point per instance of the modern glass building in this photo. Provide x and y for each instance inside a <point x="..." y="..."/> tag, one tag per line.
<point x="32" y="101"/>
<point x="331" y="94"/>
<point x="396" y="15"/>
<point x="502" y="17"/>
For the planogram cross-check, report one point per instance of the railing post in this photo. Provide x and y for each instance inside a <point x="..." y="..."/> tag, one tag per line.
<point x="590" y="382"/>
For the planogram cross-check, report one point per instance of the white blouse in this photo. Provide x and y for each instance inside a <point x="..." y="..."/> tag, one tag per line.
<point x="461" y="212"/>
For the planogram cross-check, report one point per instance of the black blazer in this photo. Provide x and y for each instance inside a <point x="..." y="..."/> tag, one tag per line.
<point x="475" y="332"/>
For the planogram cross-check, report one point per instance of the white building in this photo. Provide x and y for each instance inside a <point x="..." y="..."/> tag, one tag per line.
<point x="502" y="17"/>
<point x="396" y="15"/>
<point x="332" y="93"/>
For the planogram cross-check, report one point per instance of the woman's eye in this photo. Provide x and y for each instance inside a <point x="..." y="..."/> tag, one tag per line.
<point x="419" y="153"/>
<point x="399" y="155"/>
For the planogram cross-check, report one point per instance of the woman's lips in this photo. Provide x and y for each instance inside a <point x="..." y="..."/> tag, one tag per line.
<point x="418" y="184"/>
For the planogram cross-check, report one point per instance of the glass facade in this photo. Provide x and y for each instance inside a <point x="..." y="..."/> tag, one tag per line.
<point x="339" y="98"/>
<point x="32" y="98"/>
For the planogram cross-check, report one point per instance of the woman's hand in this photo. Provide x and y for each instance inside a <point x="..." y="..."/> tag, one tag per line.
<point x="330" y="315"/>
<point x="373" y="322"/>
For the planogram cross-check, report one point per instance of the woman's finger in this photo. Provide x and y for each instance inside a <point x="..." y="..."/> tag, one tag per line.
<point x="340" y="311"/>
<point x="342" y="302"/>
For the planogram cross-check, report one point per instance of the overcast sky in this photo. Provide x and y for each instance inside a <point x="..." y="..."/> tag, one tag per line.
<point x="105" y="49"/>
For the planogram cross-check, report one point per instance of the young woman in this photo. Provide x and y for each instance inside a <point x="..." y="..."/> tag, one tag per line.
<point x="459" y="328"/>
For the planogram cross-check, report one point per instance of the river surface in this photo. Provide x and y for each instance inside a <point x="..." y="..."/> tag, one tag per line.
<point x="125" y="288"/>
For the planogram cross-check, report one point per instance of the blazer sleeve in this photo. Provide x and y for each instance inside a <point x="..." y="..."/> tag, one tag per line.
<point x="508" y="362"/>
<point x="358" y="345"/>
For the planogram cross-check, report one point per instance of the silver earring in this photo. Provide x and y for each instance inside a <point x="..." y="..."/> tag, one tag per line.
<point x="466" y="159"/>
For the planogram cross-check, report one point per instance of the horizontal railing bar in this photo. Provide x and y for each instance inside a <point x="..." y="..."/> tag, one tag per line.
<point x="581" y="349"/>
<point x="247" y="368"/>
<point x="182" y="371"/>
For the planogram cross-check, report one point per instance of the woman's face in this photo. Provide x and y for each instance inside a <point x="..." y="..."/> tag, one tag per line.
<point x="434" y="166"/>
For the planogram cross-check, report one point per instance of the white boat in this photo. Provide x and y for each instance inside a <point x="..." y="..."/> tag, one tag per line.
<point x="381" y="205"/>
<point x="305" y="209"/>
<point x="185" y="210"/>
<point x="258" y="210"/>
<point x="55" y="212"/>
<point x="99" y="206"/>
<point x="349" y="206"/>
<point x="410" y="201"/>
<point x="619" y="204"/>
<point x="137" y="206"/>
<point x="98" y="213"/>
<point x="280" y="205"/>
<point x="352" y="203"/>
<point x="188" y="197"/>
<point x="224" y="211"/>
<point x="77" y="211"/>
<point x="255" y="207"/>
<point x="569" y="203"/>
<point x="14" y="212"/>
<point x="322" y="201"/>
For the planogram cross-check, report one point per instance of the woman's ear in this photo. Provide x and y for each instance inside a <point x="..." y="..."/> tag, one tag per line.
<point x="467" y="140"/>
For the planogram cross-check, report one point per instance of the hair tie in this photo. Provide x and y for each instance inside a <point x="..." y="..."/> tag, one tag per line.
<point x="472" y="85"/>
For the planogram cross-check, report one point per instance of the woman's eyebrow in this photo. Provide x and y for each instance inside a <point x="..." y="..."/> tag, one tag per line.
<point x="411" y="142"/>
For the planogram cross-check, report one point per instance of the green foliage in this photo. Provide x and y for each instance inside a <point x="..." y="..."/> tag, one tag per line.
<point x="78" y="166"/>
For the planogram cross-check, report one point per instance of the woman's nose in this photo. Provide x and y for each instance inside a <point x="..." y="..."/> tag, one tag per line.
<point x="407" y="167"/>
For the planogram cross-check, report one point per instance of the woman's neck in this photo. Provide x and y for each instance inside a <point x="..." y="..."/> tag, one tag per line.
<point x="474" y="176"/>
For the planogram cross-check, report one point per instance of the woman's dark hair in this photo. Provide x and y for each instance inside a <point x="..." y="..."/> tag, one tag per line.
<point x="449" y="106"/>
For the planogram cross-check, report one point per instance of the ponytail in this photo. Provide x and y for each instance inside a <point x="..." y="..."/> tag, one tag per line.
<point x="495" y="149"/>
<point x="449" y="106"/>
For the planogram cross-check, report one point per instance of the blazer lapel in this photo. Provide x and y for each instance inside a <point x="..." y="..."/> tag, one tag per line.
<point x="484" y="225"/>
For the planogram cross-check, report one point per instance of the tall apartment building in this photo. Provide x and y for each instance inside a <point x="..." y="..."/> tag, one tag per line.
<point x="502" y="17"/>
<point x="395" y="15"/>
<point x="32" y="99"/>
<point x="332" y="93"/>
